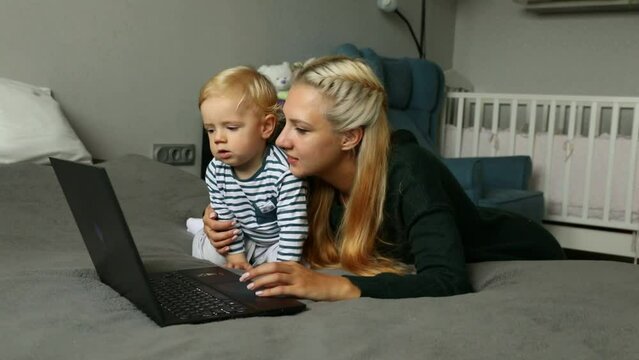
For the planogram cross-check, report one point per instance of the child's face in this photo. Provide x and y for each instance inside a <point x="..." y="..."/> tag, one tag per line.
<point x="237" y="135"/>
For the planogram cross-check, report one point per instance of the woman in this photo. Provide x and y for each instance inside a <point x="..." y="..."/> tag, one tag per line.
<point x="376" y="204"/>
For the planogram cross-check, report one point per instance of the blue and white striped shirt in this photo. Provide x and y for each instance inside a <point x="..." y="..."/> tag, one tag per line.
<point x="269" y="207"/>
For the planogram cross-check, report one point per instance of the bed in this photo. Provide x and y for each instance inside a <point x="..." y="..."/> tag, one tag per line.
<point x="53" y="306"/>
<point x="585" y="155"/>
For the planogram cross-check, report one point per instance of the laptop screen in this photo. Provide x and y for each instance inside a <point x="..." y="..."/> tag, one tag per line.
<point x="105" y="232"/>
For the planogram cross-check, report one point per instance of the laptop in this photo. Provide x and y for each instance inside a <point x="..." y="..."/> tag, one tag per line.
<point x="168" y="298"/>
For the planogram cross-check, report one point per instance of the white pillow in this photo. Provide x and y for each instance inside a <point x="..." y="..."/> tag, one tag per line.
<point x="32" y="126"/>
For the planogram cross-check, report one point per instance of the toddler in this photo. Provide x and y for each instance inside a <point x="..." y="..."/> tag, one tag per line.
<point x="248" y="179"/>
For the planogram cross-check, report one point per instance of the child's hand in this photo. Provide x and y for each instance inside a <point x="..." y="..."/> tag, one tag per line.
<point x="241" y="266"/>
<point x="237" y="261"/>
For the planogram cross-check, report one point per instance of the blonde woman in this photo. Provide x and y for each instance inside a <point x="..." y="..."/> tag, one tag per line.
<point x="380" y="207"/>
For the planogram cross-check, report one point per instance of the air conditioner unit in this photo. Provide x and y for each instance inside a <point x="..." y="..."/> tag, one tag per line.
<point x="550" y="6"/>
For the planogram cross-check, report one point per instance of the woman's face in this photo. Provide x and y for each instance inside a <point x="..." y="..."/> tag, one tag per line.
<point x="312" y="146"/>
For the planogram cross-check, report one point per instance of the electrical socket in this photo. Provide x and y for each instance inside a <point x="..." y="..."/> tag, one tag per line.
<point x="174" y="154"/>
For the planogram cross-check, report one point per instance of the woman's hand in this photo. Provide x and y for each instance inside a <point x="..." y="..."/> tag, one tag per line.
<point x="220" y="233"/>
<point x="293" y="279"/>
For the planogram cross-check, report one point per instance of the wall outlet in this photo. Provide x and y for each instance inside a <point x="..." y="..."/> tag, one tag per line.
<point x="174" y="154"/>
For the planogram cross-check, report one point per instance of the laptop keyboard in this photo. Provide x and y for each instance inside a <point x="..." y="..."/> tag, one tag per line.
<point x="182" y="297"/>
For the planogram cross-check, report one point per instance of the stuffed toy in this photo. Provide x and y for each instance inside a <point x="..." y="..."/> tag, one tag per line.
<point x="280" y="75"/>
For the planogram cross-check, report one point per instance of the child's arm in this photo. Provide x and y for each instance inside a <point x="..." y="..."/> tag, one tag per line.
<point x="291" y="218"/>
<point x="216" y="197"/>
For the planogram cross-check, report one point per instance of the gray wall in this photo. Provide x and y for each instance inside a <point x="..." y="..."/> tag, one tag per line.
<point x="127" y="73"/>
<point x="501" y="48"/>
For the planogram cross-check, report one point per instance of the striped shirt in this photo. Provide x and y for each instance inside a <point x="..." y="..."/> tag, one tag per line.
<point x="270" y="206"/>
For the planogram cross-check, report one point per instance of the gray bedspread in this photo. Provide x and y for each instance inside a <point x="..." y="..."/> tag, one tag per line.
<point x="52" y="305"/>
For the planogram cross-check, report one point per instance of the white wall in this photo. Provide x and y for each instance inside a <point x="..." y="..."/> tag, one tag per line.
<point x="440" y="30"/>
<point x="127" y="73"/>
<point x="502" y="48"/>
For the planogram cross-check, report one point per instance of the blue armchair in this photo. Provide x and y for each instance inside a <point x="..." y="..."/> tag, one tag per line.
<point x="416" y="94"/>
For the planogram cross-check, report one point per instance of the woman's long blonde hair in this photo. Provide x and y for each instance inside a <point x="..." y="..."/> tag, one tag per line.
<point x="357" y="99"/>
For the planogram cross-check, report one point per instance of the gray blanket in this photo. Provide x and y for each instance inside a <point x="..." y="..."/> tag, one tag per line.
<point x="52" y="305"/>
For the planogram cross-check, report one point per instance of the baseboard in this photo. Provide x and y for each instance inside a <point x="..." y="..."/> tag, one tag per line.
<point x="594" y="240"/>
<point x="572" y="254"/>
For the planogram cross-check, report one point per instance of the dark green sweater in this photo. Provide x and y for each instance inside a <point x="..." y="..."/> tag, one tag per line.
<point x="431" y="223"/>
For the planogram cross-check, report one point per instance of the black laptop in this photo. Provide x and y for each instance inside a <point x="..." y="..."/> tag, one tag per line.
<point x="168" y="298"/>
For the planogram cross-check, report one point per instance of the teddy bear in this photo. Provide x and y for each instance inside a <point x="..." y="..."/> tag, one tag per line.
<point x="280" y="76"/>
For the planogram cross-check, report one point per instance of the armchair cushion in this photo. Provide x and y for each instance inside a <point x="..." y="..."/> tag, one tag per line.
<point x="510" y="172"/>
<point x="401" y="120"/>
<point x="398" y="83"/>
<point x="427" y="96"/>
<point x="349" y="50"/>
<point x="468" y="173"/>
<point x="374" y="61"/>
<point x="524" y="202"/>
<point x="413" y="86"/>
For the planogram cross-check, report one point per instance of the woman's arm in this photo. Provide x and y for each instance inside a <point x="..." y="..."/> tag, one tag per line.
<point x="425" y="210"/>
<point x="220" y="233"/>
<point x="293" y="279"/>
<point x="439" y="262"/>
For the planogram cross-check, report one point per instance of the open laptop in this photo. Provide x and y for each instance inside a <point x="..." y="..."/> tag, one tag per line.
<point x="168" y="298"/>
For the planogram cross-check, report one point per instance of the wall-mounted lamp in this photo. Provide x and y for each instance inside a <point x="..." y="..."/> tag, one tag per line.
<point x="391" y="6"/>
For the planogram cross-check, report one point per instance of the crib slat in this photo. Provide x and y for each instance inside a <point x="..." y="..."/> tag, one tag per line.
<point x="443" y="123"/>
<point x="632" y="166"/>
<point x="447" y="124"/>
<point x="568" y="161"/>
<point x="477" y="125"/>
<point x="459" y="128"/>
<point x="495" y="127"/>
<point x="513" y="124"/>
<point x="611" y="159"/>
<point x="580" y="120"/>
<point x="549" y="142"/>
<point x="532" y="123"/>
<point x="592" y="127"/>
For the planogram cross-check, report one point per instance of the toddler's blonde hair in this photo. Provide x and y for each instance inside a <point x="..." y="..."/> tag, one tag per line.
<point x="252" y="88"/>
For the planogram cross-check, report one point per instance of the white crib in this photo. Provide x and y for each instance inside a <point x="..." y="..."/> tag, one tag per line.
<point x="584" y="153"/>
